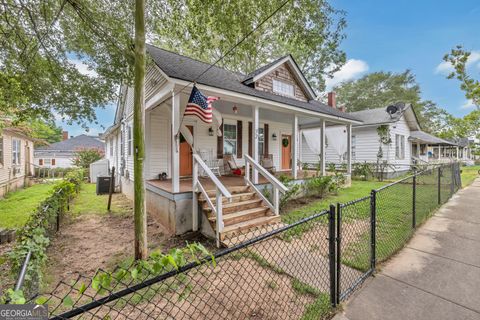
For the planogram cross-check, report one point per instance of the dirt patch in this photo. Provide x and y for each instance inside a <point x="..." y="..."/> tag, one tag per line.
<point x="6" y="278"/>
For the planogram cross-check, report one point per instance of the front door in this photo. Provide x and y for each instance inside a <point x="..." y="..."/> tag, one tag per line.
<point x="286" y="152"/>
<point x="186" y="161"/>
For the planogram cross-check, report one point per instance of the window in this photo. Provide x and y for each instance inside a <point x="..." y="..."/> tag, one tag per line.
<point x="354" y="147"/>
<point x="47" y="162"/>
<point x="53" y="162"/>
<point x="1" y="150"/>
<point x="230" y="139"/>
<point x="261" y="141"/>
<point x="40" y="162"/>
<point x="129" y="140"/>
<point x="399" y="147"/>
<point x="283" y="88"/>
<point x="16" y="153"/>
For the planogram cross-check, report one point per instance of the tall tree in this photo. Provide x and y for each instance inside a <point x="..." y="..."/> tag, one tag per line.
<point x="138" y="138"/>
<point x="379" y="89"/>
<point x="45" y="131"/>
<point x="310" y="30"/>
<point x="459" y="59"/>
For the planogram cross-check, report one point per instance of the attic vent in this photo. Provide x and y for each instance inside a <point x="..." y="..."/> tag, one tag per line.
<point x="391" y="110"/>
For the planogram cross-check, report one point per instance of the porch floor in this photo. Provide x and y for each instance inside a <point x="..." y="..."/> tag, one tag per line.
<point x="227" y="180"/>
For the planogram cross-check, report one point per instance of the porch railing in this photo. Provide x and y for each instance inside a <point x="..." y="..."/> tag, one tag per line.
<point x="221" y="191"/>
<point x="276" y="184"/>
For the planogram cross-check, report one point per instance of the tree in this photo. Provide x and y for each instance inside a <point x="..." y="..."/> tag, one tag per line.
<point x="45" y="131"/>
<point x="380" y="89"/>
<point x="85" y="157"/>
<point x="459" y="59"/>
<point x="310" y="30"/>
<point x="141" y="251"/>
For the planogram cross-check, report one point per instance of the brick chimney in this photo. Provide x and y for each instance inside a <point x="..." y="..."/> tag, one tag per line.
<point x="332" y="100"/>
<point x="65" y="135"/>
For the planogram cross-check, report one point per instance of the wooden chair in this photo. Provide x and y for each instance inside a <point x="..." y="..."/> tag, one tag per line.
<point x="267" y="162"/>
<point x="211" y="161"/>
<point x="231" y="165"/>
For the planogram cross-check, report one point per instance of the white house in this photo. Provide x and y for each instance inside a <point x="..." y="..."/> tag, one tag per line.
<point x="404" y="143"/>
<point x="257" y="121"/>
<point x="61" y="154"/>
<point x="16" y="158"/>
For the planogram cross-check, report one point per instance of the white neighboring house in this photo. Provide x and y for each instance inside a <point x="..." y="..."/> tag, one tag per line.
<point x="61" y="154"/>
<point x="16" y="158"/>
<point x="408" y="142"/>
<point x="257" y="121"/>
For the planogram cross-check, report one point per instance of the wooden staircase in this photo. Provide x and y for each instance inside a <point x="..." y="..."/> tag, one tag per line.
<point x="243" y="212"/>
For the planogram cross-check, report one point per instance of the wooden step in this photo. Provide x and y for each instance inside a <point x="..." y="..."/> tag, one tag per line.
<point x="238" y="197"/>
<point x="233" y="190"/>
<point x="241" y="216"/>
<point x="246" y="225"/>
<point x="236" y="206"/>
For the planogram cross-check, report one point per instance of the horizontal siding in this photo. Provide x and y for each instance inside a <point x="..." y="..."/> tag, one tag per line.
<point x="154" y="81"/>
<point x="6" y="168"/>
<point x="158" y="151"/>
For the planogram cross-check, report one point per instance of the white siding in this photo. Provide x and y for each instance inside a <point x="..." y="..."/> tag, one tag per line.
<point x="400" y="128"/>
<point x="154" y="80"/>
<point x="7" y="168"/>
<point x="157" y="145"/>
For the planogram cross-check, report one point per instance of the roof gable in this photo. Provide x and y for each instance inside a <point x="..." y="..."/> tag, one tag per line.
<point x="82" y="141"/>
<point x="381" y="116"/>
<point x="293" y="68"/>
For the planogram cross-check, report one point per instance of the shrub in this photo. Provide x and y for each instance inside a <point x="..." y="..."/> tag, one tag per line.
<point x="317" y="186"/>
<point x="293" y="190"/>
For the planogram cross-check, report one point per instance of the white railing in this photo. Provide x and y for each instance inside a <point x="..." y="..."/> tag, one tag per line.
<point x="221" y="192"/>
<point x="276" y="184"/>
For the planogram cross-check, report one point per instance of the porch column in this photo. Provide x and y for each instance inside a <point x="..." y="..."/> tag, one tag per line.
<point x="418" y="150"/>
<point x="458" y="153"/>
<point x="295" y="147"/>
<point x="255" y="141"/>
<point x="439" y="152"/>
<point x="322" y="147"/>
<point x="349" y="149"/>
<point x="175" y="143"/>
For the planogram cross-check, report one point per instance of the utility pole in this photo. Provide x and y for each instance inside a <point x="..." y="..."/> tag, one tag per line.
<point x="140" y="214"/>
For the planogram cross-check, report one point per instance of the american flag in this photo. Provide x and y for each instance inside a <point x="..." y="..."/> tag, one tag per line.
<point x="200" y="106"/>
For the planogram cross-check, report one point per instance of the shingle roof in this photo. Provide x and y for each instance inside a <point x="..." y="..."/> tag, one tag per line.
<point x="251" y="75"/>
<point x="378" y="115"/>
<point x="184" y="68"/>
<point x="461" y="142"/>
<point x="82" y="141"/>
<point x="428" y="138"/>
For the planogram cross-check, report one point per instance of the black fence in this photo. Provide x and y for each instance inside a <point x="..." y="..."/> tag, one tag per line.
<point x="296" y="271"/>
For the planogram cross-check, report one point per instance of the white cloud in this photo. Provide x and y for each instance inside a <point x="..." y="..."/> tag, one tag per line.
<point x="468" y="104"/>
<point x="445" y="67"/>
<point x="352" y="69"/>
<point x="82" y="67"/>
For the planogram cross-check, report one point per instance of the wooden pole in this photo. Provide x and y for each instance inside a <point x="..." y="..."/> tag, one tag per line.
<point x="110" y="190"/>
<point x="141" y="251"/>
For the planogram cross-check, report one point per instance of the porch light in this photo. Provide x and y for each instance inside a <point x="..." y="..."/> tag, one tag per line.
<point x="210" y="132"/>
<point x="235" y="109"/>
<point x="274" y="136"/>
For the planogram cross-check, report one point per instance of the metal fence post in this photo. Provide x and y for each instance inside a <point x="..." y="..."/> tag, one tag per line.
<point x="373" y="226"/>
<point x="414" y="199"/>
<point x="331" y="249"/>
<point x="339" y="250"/>
<point x="452" y="188"/>
<point x="439" y="171"/>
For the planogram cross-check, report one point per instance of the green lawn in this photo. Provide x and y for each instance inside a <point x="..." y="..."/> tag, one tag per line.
<point x="88" y="202"/>
<point x="17" y="206"/>
<point x="469" y="174"/>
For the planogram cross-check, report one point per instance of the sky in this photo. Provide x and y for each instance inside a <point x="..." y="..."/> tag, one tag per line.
<point x="393" y="36"/>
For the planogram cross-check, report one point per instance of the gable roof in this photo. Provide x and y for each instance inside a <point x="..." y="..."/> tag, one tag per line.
<point x="82" y="141"/>
<point x="381" y="116"/>
<point x="428" y="138"/>
<point x="184" y="68"/>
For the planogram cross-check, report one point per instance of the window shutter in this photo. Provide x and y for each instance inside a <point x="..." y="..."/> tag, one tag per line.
<point x="239" y="139"/>
<point x="250" y="138"/>
<point x="220" y="144"/>
<point x="40" y="162"/>
<point x="53" y="162"/>
<point x="265" y="139"/>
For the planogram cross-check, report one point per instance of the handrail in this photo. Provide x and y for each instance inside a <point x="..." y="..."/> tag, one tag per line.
<point x="270" y="177"/>
<point x="276" y="184"/>
<point x="221" y="190"/>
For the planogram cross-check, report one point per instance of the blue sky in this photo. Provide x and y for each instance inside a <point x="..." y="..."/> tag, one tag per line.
<point x="395" y="36"/>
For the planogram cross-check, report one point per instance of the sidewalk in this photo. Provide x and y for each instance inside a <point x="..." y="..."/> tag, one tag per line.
<point x="436" y="276"/>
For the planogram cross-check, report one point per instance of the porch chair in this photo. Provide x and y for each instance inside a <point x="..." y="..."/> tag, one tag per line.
<point x="231" y="165"/>
<point x="211" y="161"/>
<point x="267" y="162"/>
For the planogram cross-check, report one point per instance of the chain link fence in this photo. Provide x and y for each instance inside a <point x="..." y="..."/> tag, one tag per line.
<point x="296" y="271"/>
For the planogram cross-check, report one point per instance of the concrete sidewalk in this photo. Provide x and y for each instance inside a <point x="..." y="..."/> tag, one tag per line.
<point x="436" y="276"/>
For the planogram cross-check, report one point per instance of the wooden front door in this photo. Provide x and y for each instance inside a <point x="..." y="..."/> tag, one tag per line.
<point x="286" y="153"/>
<point x="186" y="161"/>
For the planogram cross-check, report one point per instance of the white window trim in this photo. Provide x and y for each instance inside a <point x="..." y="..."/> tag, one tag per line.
<point x="234" y="153"/>
<point x="16" y="152"/>
<point x="280" y="87"/>
<point x="399" y="147"/>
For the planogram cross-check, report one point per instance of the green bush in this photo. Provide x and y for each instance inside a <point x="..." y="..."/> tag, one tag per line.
<point x="317" y="186"/>
<point x="35" y="235"/>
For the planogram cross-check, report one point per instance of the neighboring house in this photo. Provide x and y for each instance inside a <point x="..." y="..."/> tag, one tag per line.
<point x="260" y="114"/>
<point x="408" y="144"/>
<point x="61" y="154"/>
<point x="16" y="158"/>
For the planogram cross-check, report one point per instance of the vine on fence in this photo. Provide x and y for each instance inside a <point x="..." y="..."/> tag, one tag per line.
<point x="35" y="236"/>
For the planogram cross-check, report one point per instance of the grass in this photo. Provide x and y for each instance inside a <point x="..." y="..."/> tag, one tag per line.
<point x="88" y="202"/>
<point x="469" y="174"/>
<point x="17" y="206"/>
